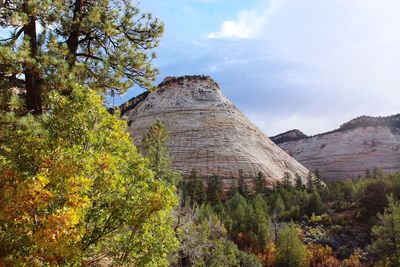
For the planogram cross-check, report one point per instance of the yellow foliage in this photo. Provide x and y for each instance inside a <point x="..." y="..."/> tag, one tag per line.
<point x="353" y="261"/>
<point x="321" y="256"/>
<point x="73" y="187"/>
<point x="268" y="256"/>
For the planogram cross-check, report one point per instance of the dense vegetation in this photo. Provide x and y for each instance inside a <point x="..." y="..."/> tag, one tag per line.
<point x="75" y="191"/>
<point x="343" y="223"/>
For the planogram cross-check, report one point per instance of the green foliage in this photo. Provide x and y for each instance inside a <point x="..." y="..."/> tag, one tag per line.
<point x="197" y="230"/>
<point x="290" y="249"/>
<point x="105" y="45"/>
<point x="203" y="240"/>
<point x="287" y="180"/>
<point x="215" y="189"/>
<point x="298" y="182"/>
<point x="315" y="205"/>
<point x="247" y="259"/>
<point x="373" y="199"/>
<point x="386" y="233"/>
<point x="248" y="222"/>
<point x="259" y="183"/>
<point x="242" y="186"/>
<point x="317" y="179"/>
<point x="155" y="148"/>
<point x="223" y="254"/>
<point x="193" y="189"/>
<point x="278" y="207"/>
<point x="74" y="189"/>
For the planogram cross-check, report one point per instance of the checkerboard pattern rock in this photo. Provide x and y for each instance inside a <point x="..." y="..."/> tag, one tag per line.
<point x="208" y="133"/>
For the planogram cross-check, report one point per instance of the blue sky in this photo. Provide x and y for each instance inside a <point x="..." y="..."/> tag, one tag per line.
<point x="305" y="64"/>
<point x="286" y="64"/>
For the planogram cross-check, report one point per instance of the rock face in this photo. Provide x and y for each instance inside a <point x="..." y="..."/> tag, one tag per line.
<point x="360" y="144"/>
<point x="208" y="133"/>
<point x="292" y="135"/>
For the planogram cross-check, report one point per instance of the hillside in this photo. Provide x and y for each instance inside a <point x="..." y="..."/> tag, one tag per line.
<point x="362" y="143"/>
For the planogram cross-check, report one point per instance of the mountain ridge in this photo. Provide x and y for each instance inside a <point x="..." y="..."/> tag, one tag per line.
<point x="362" y="143"/>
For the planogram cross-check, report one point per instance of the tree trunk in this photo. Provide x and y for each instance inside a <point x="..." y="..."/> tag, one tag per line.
<point x="32" y="80"/>
<point x="73" y="39"/>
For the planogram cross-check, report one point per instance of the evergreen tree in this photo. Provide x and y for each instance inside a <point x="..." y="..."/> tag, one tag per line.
<point x="290" y="249"/>
<point x="317" y="179"/>
<point x="74" y="189"/>
<point x="242" y="187"/>
<point x="105" y="45"/>
<point x="259" y="225"/>
<point x="193" y="189"/>
<point x="215" y="189"/>
<point x="236" y="209"/>
<point x="259" y="183"/>
<point x="298" y="182"/>
<point x="287" y="180"/>
<point x="248" y="259"/>
<point x="278" y="206"/>
<point x="373" y="199"/>
<point x="155" y="148"/>
<point x="310" y="182"/>
<point x="386" y="233"/>
<point x="314" y="204"/>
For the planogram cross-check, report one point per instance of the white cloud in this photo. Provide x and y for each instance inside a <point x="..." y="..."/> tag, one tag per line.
<point x="248" y="23"/>
<point x="306" y="64"/>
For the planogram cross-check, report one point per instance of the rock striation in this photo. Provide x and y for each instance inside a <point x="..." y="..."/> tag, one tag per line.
<point x="208" y="133"/>
<point x="360" y="144"/>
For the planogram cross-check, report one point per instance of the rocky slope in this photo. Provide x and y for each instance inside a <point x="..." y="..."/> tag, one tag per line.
<point x="360" y="144"/>
<point x="208" y="133"/>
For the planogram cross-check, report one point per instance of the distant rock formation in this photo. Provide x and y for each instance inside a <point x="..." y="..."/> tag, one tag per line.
<point x="208" y="133"/>
<point x="292" y="135"/>
<point x="360" y="144"/>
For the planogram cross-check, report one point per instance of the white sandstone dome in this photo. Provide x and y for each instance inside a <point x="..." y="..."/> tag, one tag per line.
<point x="208" y="133"/>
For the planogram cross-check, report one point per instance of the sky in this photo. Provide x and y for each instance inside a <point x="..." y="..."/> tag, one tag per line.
<point x="287" y="64"/>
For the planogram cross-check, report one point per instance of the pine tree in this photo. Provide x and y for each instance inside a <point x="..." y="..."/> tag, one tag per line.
<point x="287" y="180"/>
<point x="259" y="183"/>
<point x="290" y="249"/>
<point x="298" y="182"/>
<point x="260" y="225"/>
<point x="155" y="148"/>
<point x="278" y="206"/>
<point x="386" y="234"/>
<point x="317" y="179"/>
<point x="315" y="205"/>
<point x="73" y="186"/>
<point x="373" y="199"/>
<point x="215" y="189"/>
<point x="105" y="45"/>
<point x="242" y="188"/>
<point x="193" y="189"/>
